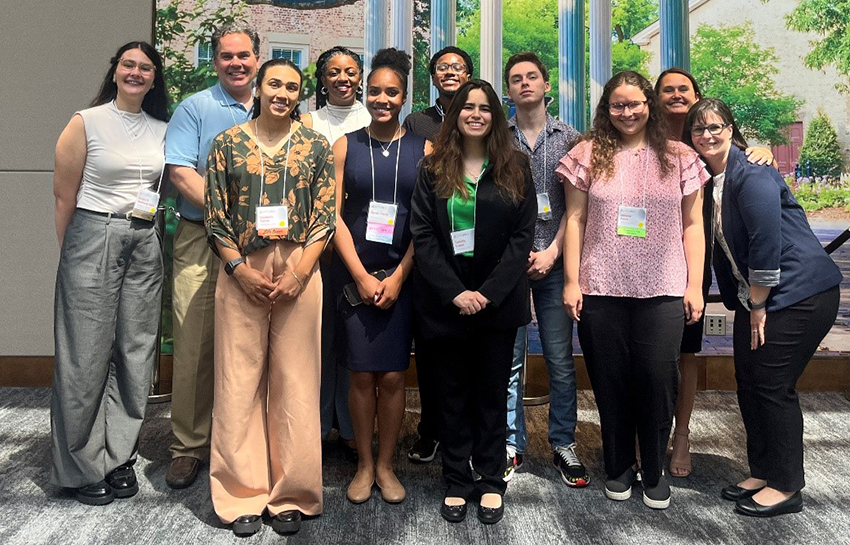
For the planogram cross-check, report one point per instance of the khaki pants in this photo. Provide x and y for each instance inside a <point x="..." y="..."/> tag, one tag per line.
<point x="193" y="306"/>
<point x="266" y="445"/>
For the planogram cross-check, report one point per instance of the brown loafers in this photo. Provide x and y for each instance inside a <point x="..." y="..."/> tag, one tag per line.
<point x="182" y="472"/>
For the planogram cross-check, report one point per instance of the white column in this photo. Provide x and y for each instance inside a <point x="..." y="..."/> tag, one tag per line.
<point x="375" y="35"/>
<point x="571" y="63"/>
<point x="600" y="49"/>
<point x="402" y="39"/>
<point x="491" y="44"/>
<point x="443" y="29"/>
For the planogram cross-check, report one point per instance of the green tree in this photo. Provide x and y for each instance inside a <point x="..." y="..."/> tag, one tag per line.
<point x="532" y="25"/>
<point x="821" y="149"/>
<point x="831" y="20"/>
<point x="731" y="66"/>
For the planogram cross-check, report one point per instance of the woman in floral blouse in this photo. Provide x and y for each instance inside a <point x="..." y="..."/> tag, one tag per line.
<point x="270" y="209"/>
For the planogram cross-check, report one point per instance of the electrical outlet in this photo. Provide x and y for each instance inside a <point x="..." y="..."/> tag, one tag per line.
<point x="715" y="324"/>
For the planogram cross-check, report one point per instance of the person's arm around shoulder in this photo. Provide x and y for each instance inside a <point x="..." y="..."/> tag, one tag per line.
<point x="307" y="120"/>
<point x="70" y="160"/>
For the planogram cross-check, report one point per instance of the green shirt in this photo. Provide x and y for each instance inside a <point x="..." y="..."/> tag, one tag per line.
<point x="233" y="189"/>
<point x="462" y="211"/>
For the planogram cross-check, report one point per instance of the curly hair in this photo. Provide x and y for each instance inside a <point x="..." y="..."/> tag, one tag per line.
<point x="446" y="161"/>
<point x="606" y="138"/>
<point x="322" y="66"/>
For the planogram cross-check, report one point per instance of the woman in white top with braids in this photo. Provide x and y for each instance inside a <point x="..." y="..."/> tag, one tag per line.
<point x="109" y="163"/>
<point x="339" y="89"/>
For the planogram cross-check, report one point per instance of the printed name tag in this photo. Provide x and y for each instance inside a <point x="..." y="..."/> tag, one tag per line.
<point x="544" y="210"/>
<point x="631" y="222"/>
<point x="145" y="206"/>
<point x="463" y="241"/>
<point x="380" y="222"/>
<point x="272" y="220"/>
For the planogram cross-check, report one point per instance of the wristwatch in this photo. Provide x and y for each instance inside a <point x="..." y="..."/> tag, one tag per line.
<point x="755" y="306"/>
<point x="230" y="266"/>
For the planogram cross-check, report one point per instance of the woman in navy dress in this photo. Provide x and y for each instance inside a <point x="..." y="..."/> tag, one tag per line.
<point x="376" y="170"/>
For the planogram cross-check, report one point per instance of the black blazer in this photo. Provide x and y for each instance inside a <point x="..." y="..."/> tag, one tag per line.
<point x="769" y="237"/>
<point x="504" y="233"/>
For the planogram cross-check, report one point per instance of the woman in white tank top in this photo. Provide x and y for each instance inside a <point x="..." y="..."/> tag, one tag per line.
<point x="107" y="178"/>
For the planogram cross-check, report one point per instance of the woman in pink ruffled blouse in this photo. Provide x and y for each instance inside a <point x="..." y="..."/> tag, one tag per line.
<point x="633" y="263"/>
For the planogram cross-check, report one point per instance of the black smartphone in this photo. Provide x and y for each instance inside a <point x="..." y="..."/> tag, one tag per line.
<point x="350" y="290"/>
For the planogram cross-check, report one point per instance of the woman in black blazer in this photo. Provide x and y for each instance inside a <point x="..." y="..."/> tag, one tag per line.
<point x="472" y="222"/>
<point x="774" y="273"/>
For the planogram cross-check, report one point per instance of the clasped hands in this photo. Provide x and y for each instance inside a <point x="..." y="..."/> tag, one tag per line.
<point x="261" y="290"/>
<point x="380" y="293"/>
<point x="470" y="302"/>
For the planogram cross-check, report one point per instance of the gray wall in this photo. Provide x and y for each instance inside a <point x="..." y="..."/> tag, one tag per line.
<point x="55" y="55"/>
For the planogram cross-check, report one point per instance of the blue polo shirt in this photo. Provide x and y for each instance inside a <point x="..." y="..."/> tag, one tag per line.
<point x="194" y="125"/>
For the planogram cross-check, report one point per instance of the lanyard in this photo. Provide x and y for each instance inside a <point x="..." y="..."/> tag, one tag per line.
<point x="645" y="173"/>
<point x="474" y="201"/>
<point x="263" y="161"/>
<point x="133" y="143"/>
<point x="440" y="111"/>
<point x="372" y="161"/>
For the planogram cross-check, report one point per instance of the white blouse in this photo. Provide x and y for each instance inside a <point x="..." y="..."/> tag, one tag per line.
<point x="335" y="121"/>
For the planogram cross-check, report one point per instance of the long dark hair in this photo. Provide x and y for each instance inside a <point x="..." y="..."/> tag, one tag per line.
<point x="261" y="75"/>
<point x="606" y="138"/>
<point x="321" y="69"/>
<point x="698" y="114"/>
<point x="446" y="162"/>
<point x="155" y="103"/>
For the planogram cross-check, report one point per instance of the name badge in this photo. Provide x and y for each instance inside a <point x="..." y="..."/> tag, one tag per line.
<point x="463" y="241"/>
<point x="145" y="206"/>
<point x="380" y="222"/>
<point x="272" y="220"/>
<point x="631" y="222"/>
<point x="544" y="209"/>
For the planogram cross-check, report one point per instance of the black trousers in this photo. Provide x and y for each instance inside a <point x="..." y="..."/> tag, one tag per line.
<point x="427" y="377"/>
<point x="767" y="385"/>
<point x="631" y="348"/>
<point x="473" y="386"/>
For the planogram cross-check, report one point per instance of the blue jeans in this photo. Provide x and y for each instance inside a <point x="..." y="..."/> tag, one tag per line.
<point x="556" y="335"/>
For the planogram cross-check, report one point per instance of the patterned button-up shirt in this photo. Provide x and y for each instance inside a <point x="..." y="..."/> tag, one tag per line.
<point x="552" y="143"/>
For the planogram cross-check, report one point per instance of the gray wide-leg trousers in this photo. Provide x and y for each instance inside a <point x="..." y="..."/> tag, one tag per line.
<point x="106" y="318"/>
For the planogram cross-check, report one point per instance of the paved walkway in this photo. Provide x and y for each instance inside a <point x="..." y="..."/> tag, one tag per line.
<point x="837" y="341"/>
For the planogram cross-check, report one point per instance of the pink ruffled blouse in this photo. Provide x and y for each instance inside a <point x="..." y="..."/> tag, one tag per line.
<point x="625" y="266"/>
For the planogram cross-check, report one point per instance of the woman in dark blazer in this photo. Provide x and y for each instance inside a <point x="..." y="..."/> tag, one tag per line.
<point x="774" y="273"/>
<point x="472" y="222"/>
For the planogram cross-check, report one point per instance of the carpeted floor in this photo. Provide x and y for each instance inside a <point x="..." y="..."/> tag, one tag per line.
<point x="539" y="508"/>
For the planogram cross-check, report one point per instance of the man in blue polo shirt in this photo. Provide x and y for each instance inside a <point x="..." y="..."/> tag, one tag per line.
<point x="195" y="124"/>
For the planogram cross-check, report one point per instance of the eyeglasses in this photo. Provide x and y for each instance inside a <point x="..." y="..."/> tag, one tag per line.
<point x="144" y="68"/>
<point x="714" y="129"/>
<point x="456" y="67"/>
<point x="635" y="106"/>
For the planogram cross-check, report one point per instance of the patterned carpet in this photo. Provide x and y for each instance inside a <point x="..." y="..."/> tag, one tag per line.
<point x="539" y="508"/>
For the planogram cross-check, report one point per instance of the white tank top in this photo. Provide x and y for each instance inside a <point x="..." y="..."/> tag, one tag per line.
<point x="124" y="153"/>
<point x="336" y="121"/>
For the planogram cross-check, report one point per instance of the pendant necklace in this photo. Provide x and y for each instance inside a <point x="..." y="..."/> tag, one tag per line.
<point x="385" y="151"/>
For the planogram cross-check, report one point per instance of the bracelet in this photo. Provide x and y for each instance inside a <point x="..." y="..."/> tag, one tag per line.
<point x="295" y="276"/>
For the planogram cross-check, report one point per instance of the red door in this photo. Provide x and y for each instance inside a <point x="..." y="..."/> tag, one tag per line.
<point x="788" y="154"/>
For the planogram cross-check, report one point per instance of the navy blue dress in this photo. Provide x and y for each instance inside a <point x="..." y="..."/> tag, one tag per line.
<point x="370" y="339"/>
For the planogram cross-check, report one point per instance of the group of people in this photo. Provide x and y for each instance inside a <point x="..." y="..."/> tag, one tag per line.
<point x="312" y="250"/>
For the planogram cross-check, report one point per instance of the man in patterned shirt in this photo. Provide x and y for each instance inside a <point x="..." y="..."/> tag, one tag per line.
<point x="545" y="140"/>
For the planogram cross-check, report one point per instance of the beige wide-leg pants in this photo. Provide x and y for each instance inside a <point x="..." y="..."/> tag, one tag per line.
<point x="266" y="445"/>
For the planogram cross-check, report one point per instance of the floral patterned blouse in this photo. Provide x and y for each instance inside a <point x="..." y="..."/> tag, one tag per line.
<point x="233" y="189"/>
<point x="624" y="266"/>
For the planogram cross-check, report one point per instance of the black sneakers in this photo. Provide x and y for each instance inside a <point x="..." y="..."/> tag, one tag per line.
<point x="423" y="451"/>
<point x="513" y="462"/>
<point x="570" y="467"/>
<point x="658" y="496"/>
<point x="620" y="489"/>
